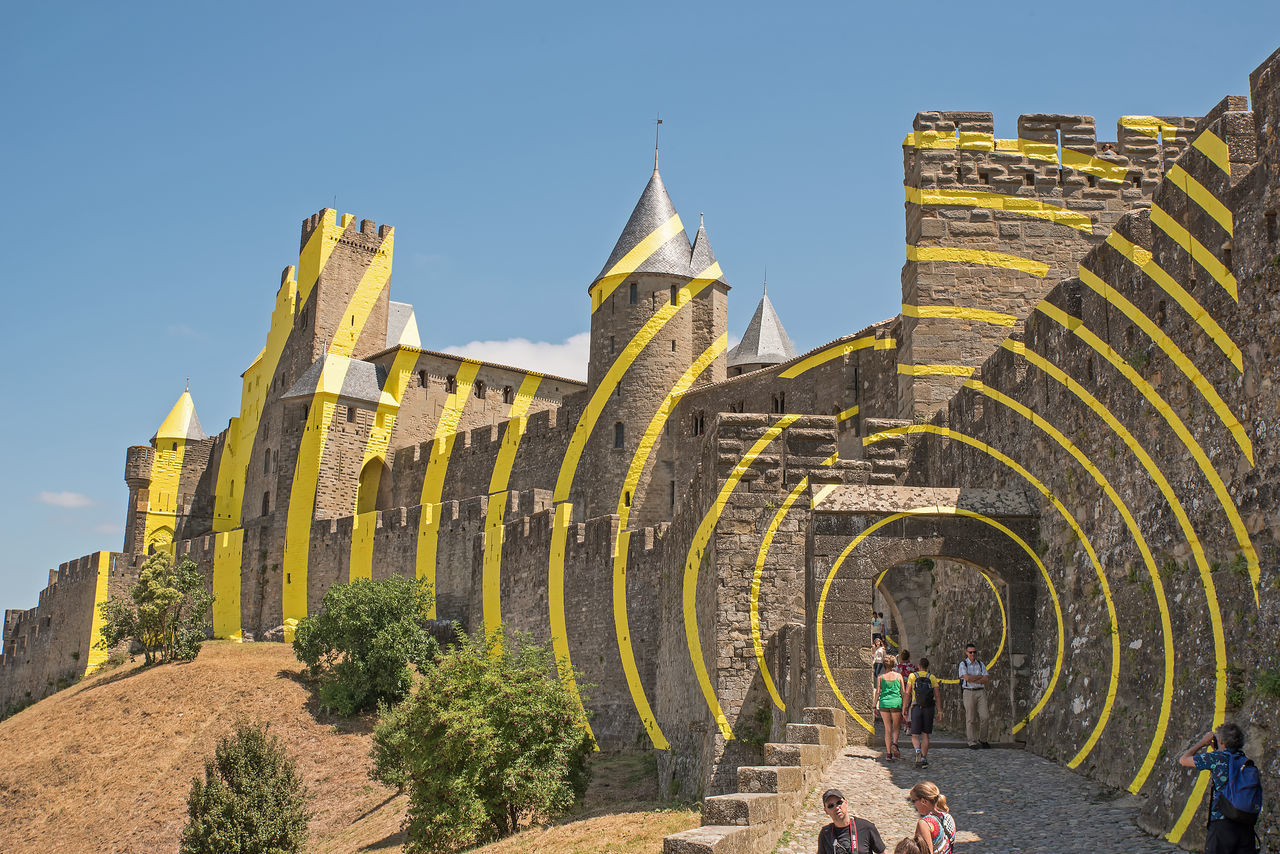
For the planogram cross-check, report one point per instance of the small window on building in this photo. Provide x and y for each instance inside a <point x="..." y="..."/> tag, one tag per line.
<point x="479" y="389"/>
<point x="266" y="463"/>
<point x="451" y="384"/>
<point x="675" y="293"/>
<point x="617" y="392"/>
<point x="173" y="446"/>
<point x="612" y="344"/>
<point x="233" y="489"/>
<point x="351" y="415"/>
<point x="634" y="293"/>
<point x="618" y="434"/>
<point x="1031" y="179"/>
<point x="266" y="503"/>
<point x="626" y="498"/>
<point x="306" y="412"/>
<point x="508" y="394"/>
<point x="275" y="460"/>
<point x="1137" y="179"/>
<point x="698" y="423"/>
<point x="780" y="402"/>
<point x="673" y="345"/>
<point x="422" y="379"/>
<point x="673" y="495"/>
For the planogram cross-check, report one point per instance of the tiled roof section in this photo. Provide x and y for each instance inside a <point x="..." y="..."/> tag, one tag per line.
<point x="354" y="381"/>
<point x="765" y="342"/>
<point x="181" y="422"/>
<point x="652" y="211"/>
<point x="402" y="326"/>
<point x="702" y="256"/>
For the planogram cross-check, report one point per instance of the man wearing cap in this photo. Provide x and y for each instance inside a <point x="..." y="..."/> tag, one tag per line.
<point x="845" y="834"/>
<point x="973" y="688"/>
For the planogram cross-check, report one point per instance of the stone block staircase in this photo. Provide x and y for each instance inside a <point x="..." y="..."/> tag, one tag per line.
<point x="888" y="457"/>
<point x="769" y="796"/>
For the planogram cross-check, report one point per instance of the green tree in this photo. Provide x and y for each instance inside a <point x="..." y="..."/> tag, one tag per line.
<point x="490" y="738"/>
<point x="363" y="640"/>
<point x="252" y="800"/>
<point x="165" y="612"/>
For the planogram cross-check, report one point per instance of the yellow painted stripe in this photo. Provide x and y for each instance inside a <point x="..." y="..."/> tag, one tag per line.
<point x="847" y="414"/>
<point x="587" y="421"/>
<point x="320" y="245"/>
<point x="561" y="521"/>
<point x="302" y="494"/>
<point x="628" y="263"/>
<point x="1200" y="194"/>
<point x="162" y="505"/>
<point x="573" y="456"/>
<point x="1153" y="574"/>
<point x="1004" y="625"/>
<point x="826" y="354"/>
<point x="97" y="650"/>
<point x="621" y="622"/>
<point x="228" y="549"/>
<point x="437" y="466"/>
<point x="494" y="529"/>
<point x="983" y="257"/>
<point x="1175" y="354"/>
<point x="935" y="370"/>
<point x="757" y="639"/>
<point x="1150" y="126"/>
<point x="365" y="522"/>
<point x="1113" y="681"/>
<point x="1082" y="161"/>
<point x="1142" y="259"/>
<point x="693" y="564"/>
<point x="1212" y="146"/>
<point x="1076" y="326"/>
<point x="958" y="312"/>
<point x="940" y="509"/>
<point x="1193" y="247"/>
<point x="998" y="201"/>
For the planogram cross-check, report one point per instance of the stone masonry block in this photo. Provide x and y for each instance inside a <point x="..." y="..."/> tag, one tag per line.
<point x="779" y="779"/>
<point x="792" y="754"/>
<point x="742" y="809"/>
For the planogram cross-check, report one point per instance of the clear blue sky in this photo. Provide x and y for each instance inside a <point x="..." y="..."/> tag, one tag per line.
<point x="158" y="159"/>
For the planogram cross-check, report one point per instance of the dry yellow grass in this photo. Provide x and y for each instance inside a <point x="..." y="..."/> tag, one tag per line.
<point x="105" y="765"/>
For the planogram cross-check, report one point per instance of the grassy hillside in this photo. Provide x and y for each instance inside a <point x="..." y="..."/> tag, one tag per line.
<point x="105" y="765"/>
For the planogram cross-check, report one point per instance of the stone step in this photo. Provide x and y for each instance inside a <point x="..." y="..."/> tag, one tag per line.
<point x="888" y="465"/>
<point x="825" y="716"/>
<point x="779" y="779"/>
<point x="828" y="737"/>
<point x="879" y="478"/>
<point x="713" y="839"/>
<point x="744" y="808"/>
<point x="792" y="754"/>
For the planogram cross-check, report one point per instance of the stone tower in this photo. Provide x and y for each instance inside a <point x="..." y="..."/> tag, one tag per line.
<point x="658" y="306"/>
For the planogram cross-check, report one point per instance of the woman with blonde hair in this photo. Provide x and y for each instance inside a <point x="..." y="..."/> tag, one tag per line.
<point x="936" y="829"/>
<point x="888" y="699"/>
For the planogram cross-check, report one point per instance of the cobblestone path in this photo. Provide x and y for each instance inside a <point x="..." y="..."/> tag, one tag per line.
<point x="1003" y="801"/>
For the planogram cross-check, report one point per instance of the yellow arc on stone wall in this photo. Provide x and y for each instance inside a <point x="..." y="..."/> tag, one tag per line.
<point x="433" y="480"/>
<point x="639" y="460"/>
<point x="836" y="351"/>
<point x="694" y="560"/>
<point x="97" y="650"/>
<point x="1212" y="146"/>
<point x="998" y="201"/>
<point x="1193" y="247"/>
<point x="930" y="511"/>
<point x="980" y="257"/>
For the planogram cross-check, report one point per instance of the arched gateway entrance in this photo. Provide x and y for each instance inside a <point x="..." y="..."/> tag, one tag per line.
<point x="858" y="532"/>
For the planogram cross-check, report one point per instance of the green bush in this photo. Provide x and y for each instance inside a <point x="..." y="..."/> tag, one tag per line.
<point x="165" y="612"/>
<point x="251" y="802"/>
<point x="363" y="640"/>
<point x="490" y="738"/>
<point x="390" y="741"/>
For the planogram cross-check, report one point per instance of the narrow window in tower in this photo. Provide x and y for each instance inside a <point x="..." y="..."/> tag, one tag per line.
<point x="635" y="293"/>
<point x="626" y="499"/>
<point x="1091" y="180"/>
<point x="673" y="345"/>
<point x="306" y="412"/>
<point x="673" y="495"/>
<point x="233" y="489"/>
<point x="675" y="293"/>
<point x="478" y="389"/>
<point x="612" y="343"/>
<point x="266" y="463"/>
<point x="174" y="446"/>
<point x="422" y="379"/>
<point x="266" y="503"/>
<point x="618" y="434"/>
<point x="653" y="300"/>
<point x="699" y="423"/>
<point x="1136" y="177"/>
<point x="351" y="415"/>
<point x="1031" y="179"/>
<point x="780" y="402"/>
<point x="508" y="395"/>
<point x="857" y="388"/>
<point x="275" y="460"/>
<point x="617" y="392"/>
<point x="451" y="384"/>
<point x="666" y="427"/>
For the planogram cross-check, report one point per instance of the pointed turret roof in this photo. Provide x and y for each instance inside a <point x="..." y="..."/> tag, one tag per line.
<point x="765" y="342"/>
<point x="181" y="422"/>
<point x="702" y="256"/>
<point x="653" y="240"/>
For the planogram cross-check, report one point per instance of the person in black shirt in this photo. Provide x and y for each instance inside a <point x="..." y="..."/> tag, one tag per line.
<point x="846" y="834"/>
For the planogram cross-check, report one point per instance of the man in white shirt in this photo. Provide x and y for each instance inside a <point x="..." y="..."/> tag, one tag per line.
<point x="973" y="688"/>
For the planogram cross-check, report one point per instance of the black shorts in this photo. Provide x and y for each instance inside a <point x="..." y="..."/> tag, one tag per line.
<point x="1228" y="837"/>
<point x="922" y="720"/>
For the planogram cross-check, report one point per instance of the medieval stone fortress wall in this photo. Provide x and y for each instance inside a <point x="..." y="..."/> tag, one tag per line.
<point x="1063" y="448"/>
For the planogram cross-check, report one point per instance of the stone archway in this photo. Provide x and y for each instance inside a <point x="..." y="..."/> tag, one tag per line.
<point x="858" y="532"/>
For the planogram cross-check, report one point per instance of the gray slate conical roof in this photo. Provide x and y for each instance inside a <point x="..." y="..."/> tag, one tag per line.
<point x="765" y="342"/>
<point x="702" y="256"/>
<point x="651" y="213"/>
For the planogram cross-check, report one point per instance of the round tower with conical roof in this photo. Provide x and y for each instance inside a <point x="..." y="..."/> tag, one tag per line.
<point x="658" y="306"/>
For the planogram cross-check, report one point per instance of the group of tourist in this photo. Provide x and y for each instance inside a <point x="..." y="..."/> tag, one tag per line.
<point x="935" y="832"/>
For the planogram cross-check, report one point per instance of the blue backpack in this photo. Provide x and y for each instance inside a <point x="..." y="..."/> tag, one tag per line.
<point x="1241" y="799"/>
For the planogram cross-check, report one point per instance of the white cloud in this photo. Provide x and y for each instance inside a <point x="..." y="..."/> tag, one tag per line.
<point x="566" y="359"/>
<point x="65" y="500"/>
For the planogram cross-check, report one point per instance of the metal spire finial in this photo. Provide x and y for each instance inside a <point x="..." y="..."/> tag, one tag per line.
<point x="656" y="128"/>
<point x="188" y="388"/>
<point x="766" y="279"/>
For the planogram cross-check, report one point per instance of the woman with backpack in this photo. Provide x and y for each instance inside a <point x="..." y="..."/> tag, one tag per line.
<point x="936" y="829"/>
<point x="888" y="700"/>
